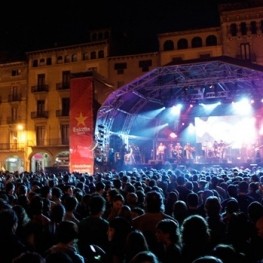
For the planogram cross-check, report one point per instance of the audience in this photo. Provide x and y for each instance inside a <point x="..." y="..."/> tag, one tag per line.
<point x="155" y="215"/>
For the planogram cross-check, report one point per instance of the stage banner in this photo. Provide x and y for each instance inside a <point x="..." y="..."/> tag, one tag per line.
<point x="81" y="125"/>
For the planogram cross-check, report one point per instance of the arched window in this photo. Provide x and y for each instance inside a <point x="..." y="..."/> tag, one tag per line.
<point x="233" y="30"/>
<point x="168" y="45"/>
<point x="197" y="42"/>
<point x="243" y="28"/>
<point x="85" y="56"/>
<point x="74" y="58"/>
<point x="182" y="43"/>
<point x="67" y="59"/>
<point x="211" y="40"/>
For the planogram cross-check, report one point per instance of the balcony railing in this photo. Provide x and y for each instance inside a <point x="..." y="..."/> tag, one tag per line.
<point x="62" y="113"/>
<point x="52" y="142"/>
<point x="39" y="114"/>
<point x="39" y="88"/>
<point x="14" y="97"/>
<point x="11" y="147"/>
<point x="62" y="86"/>
<point x="12" y="120"/>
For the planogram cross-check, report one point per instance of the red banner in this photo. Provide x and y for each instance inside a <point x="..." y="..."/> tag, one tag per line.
<point x="81" y="125"/>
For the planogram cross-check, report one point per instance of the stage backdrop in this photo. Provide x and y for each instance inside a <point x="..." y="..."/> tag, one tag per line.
<point x="81" y="125"/>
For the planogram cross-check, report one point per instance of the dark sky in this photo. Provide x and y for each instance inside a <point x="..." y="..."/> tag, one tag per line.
<point x="32" y="27"/>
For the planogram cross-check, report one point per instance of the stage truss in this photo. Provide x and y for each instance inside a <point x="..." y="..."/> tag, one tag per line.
<point x="127" y="109"/>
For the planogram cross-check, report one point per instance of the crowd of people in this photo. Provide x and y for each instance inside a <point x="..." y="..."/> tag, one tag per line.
<point x="133" y="216"/>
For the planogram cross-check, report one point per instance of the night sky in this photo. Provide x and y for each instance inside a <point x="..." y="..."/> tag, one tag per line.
<point x="26" y="28"/>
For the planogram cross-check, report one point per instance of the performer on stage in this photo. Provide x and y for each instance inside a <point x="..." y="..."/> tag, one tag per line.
<point x="129" y="156"/>
<point x="178" y="148"/>
<point x="189" y="151"/>
<point x="160" y="152"/>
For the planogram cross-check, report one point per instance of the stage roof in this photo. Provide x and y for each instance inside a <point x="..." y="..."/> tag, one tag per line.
<point x="127" y="111"/>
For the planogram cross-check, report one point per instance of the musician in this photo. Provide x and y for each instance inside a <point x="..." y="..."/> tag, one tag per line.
<point x="129" y="156"/>
<point x="178" y="148"/>
<point x="122" y="153"/>
<point x="189" y="150"/>
<point x="221" y="149"/>
<point x="215" y="148"/>
<point x="160" y="152"/>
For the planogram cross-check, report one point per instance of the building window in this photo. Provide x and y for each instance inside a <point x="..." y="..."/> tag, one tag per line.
<point x="145" y="65"/>
<point x="85" y="56"/>
<point x="15" y="72"/>
<point x="59" y="59"/>
<point x="211" y="40"/>
<point x="40" y="135"/>
<point x="35" y="63"/>
<point x="42" y="62"/>
<point x="233" y="30"/>
<point x="168" y="45"/>
<point x="253" y="27"/>
<point x="182" y="43"/>
<point x="197" y="42"/>
<point x="49" y="61"/>
<point x="245" y="51"/>
<point x="65" y="79"/>
<point x="67" y="59"/>
<point x="64" y="134"/>
<point x="41" y="80"/>
<point x="243" y="28"/>
<point x="65" y="106"/>
<point x="101" y="54"/>
<point x="40" y="107"/>
<point x="74" y="58"/>
<point x="93" y="55"/>
<point x="119" y="67"/>
<point x="14" y="114"/>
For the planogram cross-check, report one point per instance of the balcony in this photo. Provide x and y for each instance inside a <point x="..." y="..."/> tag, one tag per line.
<point x="12" y="120"/>
<point x="39" y="114"/>
<point x="62" y="114"/>
<point x="39" y="89"/>
<point x="52" y="142"/>
<point x="62" y="86"/>
<point x="11" y="147"/>
<point x="14" y="97"/>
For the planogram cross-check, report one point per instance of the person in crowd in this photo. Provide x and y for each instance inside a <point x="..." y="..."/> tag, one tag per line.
<point x="180" y="211"/>
<point x="196" y="238"/>
<point x="118" y="231"/>
<point x="208" y="259"/>
<point x="160" y="152"/>
<point x="10" y="244"/>
<point x="145" y="256"/>
<point x="215" y="220"/>
<point x="67" y="234"/>
<point x="154" y="212"/>
<point x="29" y="256"/>
<point x="117" y="203"/>
<point x="70" y="203"/>
<point x="135" y="243"/>
<point x="169" y="237"/>
<point x="93" y="228"/>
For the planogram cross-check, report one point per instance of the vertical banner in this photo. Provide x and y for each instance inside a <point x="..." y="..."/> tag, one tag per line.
<point x="81" y="125"/>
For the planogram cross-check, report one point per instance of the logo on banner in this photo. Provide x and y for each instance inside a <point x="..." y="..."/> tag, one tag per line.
<point x="81" y="128"/>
